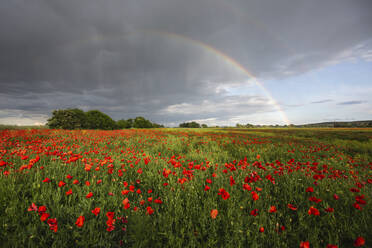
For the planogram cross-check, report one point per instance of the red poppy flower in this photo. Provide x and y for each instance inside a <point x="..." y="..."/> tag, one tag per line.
<point x="313" y="211"/>
<point x="69" y="192"/>
<point x="247" y="187"/>
<point x="304" y="244"/>
<point x="33" y="207"/>
<point x="359" y="242"/>
<point x="44" y="216"/>
<point x="261" y="229"/>
<point x="89" y="195"/>
<point x="214" y="213"/>
<point x="332" y="246"/>
<point x="224" y="194"/>
<point x="61" y="184"/>
<point x="80" y="221"/>
<point x="355" y="190"/>
<point x="149" y="210"/>
<point x="42" y="209"/>
<point x="75" y="181"/>
<point x="110" y="215"/>
<point x="232" y="181"/>
<point x="53" y="225"/>
<point x="126" y="203"/>
<point x="357" y="206"/>
<point x="336" y="197"/>
<point x="329" y="210"/>
<point x="96" y="211"/>
<point x="314" y="199"/>
<point x="206" y="188"/>
<point x="254" y="212"/>
<point x="255" y="196"/>
<point x="125" y="192"/>
<point x="272" y="209"/>
<point x="310" y="189"/>
<point x="46" y="180"/>
<point x="290" y="206"/>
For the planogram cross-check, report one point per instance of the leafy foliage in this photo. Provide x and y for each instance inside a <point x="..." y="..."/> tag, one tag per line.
<point x="192" y="124"/>
<point x="98" y="120"/>
<point x="68" y="119"/>
<point x="94" y="119"/>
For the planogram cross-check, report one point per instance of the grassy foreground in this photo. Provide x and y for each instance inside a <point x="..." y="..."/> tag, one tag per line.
<point x="186" y="188"/>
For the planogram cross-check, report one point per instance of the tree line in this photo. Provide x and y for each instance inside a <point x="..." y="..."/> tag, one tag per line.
<point x="94" y="119"/>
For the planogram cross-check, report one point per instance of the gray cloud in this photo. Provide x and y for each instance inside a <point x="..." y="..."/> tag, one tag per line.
<point x="322" y="101"/>
<point x="130" y="58"/>
<point x="350" y="102"/>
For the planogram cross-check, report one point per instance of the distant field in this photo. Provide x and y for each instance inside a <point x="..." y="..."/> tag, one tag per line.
<point x="186" y="188"/>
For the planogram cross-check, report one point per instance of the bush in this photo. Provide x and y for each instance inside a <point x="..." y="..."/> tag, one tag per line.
<point x="98" y="120"/>
<point x="192" y="124"/>
<point x="68" y="119"/>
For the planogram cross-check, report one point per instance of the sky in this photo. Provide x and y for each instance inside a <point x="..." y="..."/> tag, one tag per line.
<point x="217" y="62"/>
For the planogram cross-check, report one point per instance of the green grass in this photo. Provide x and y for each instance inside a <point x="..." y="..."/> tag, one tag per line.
<point x="291" y="156"/>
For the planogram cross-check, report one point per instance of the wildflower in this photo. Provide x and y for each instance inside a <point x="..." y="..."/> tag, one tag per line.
<point x="224" y="194"/>
<point x="61" y="184"/>
<point x="33" y="207"/>
<point x="304" y="244"/>
<point x="272" y="209"/>
<point x="149" y="210"/>
<point x="126" y="203"/>
<point x="359" y="242"/>
<point x="247" y="187"/>
<point x="329" y="210"/>
<point x="44" y="216"/>
<point x="313" y="211"/>
<point x="310" y="189"/>
<point x="254" y="212"/>
<point x="214" y="213"/>
<point x="80" y="221"/>
<point x="46" y="180"/>
<point x="255" y="196"/>
<point x="290" y="206"/>
<point x="96" y="211"/>
<point x="53" y="225"/>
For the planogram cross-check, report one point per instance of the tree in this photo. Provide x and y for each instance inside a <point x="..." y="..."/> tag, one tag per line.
<point x="140" y="122"/>
<point x="68" y="119"/>
<point x="204" y="125"/>
<point x="192" y="124"/>
<point x="98" y="120"/>
<point x="124" y="123"/>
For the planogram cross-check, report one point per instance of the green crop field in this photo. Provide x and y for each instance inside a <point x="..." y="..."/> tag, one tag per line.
<point x="186" y="188"/>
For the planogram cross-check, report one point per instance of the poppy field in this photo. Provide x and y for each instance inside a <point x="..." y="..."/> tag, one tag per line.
<point x="186" y="188"/>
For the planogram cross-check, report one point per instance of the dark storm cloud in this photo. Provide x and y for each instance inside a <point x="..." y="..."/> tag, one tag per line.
<point x="119" y="56"/>
<point x="351" y="102"/>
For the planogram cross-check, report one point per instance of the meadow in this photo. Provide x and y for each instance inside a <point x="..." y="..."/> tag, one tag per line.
<point x="186" y="188"/>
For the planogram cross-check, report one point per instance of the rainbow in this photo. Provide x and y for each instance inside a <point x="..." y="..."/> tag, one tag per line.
<point x="215" y="51"/>
<point x="226" y="58"/>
